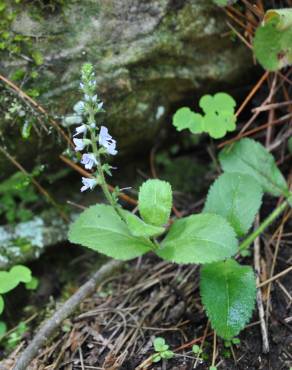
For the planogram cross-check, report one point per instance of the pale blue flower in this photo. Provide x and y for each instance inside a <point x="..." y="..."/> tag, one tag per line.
<point x="80" y="130"/>
<point x="88" y="184"/>
<point x="79" y="144"/>
<point x="106" y="140"/>
<point x="89" y="160"/>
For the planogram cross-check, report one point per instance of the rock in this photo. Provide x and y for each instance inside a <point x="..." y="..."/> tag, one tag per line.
<point x="148" y="56"/>
<point x="26" y="241"/>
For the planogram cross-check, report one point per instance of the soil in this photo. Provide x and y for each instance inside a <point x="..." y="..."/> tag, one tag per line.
<point x="115" y="328"/>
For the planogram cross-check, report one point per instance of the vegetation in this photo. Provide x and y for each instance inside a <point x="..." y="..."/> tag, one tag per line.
<point x="213" y="238"/>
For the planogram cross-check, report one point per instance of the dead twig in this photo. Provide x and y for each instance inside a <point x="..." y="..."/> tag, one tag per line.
<point x="259" y="299"/>
<point x="63" y="312"/>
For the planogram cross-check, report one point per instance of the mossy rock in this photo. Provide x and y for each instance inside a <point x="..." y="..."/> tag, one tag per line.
<point x="148" y="56"/>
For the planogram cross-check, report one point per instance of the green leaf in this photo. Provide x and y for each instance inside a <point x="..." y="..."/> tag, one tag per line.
<point x="101" y="229"/>
<point x="21" y="273"/>
<point x="251" y="158"/>
<point x="224" y="2"/>
<point x="218" y="119"/>
<point x="3" y="328"/>
<point x="2" y="304"/>
<point x="184" y="118"/>
<point x="7" y="282"/>
<point x="37" y="57"/>
<point x="237" y="198"/>
<point x="156" y="357"/>
<point x="219" y="114"/>
<point x="167" y="354"/>
<point x="138" y="227"/>
<point x="202" y="238"/>
<point x="228" y="292"/>
<point x="155" y="202"/>
<point x="196" y="349"/>
<point x="272" y="41"/>
<point x="159" y="344"/>
<point x="33" y="284"/>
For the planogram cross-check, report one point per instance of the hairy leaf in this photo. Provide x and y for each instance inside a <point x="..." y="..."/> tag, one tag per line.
<point x="184" y="118"/>
<point x="138" y="227"/>
<point x="272" y="41"/>
<point x="251" y="158"/>
<point x="101" y="229"/>
<point x="237" y="197"/>
<point x="228" y="292"/>
<point x="155" y="202"/>
<point x="199" y="238"/>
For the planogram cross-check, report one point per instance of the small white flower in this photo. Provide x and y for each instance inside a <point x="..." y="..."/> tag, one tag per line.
<point x="80" y="130"/>
<point x="107" y="141"/>
<point x="79" y="107"/>
<point x="79" y="144"/>
<point x="89" y="160"/>
<point x="88" y="184"/>
<point x="100" y="105"/>
<point x="81" y="85"/>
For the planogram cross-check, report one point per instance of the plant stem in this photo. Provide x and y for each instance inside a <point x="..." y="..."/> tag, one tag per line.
<point x="246" y="243"/>
<point x="101" y="177"/>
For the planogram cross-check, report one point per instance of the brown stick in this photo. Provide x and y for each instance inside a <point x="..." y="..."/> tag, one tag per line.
<point x="63" y="312"/>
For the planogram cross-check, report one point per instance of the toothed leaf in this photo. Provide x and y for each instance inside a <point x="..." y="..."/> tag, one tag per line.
<point x="237" y="198"/>
<point x="155" y="202"/>
<point x="101" y="229"/>
<point x="228" y="292"/>
<point x="251" y="158"/>
<point x="199" y="238"/>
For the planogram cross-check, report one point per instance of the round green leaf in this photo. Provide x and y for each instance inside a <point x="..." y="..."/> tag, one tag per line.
<point x="228" y="292"/>
<point x="236" y="197"/>
<point x="220" y="102"/>
<point x="185" y="118"/>
<point x="199" y="238"/>
<point x="2" y="304"/>
<point x="251" y="158"/>
<point x="7" y="282"/>
<point x="155" y="202"/>
<point x="21" y="273"/>
<point x="272" y="41"/>
<point x="101" y="229"/>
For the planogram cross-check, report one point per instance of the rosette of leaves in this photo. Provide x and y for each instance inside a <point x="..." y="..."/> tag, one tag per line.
<point x="272" y="42"/>
<point x="209" y="238"/>
<point x="218" y="118"/>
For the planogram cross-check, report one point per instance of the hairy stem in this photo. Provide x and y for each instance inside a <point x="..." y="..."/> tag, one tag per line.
<point x="270" y="219"/>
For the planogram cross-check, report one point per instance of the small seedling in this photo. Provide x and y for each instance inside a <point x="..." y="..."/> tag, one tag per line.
<point x="196" y="349"/>
<point x="162" y="350"/>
